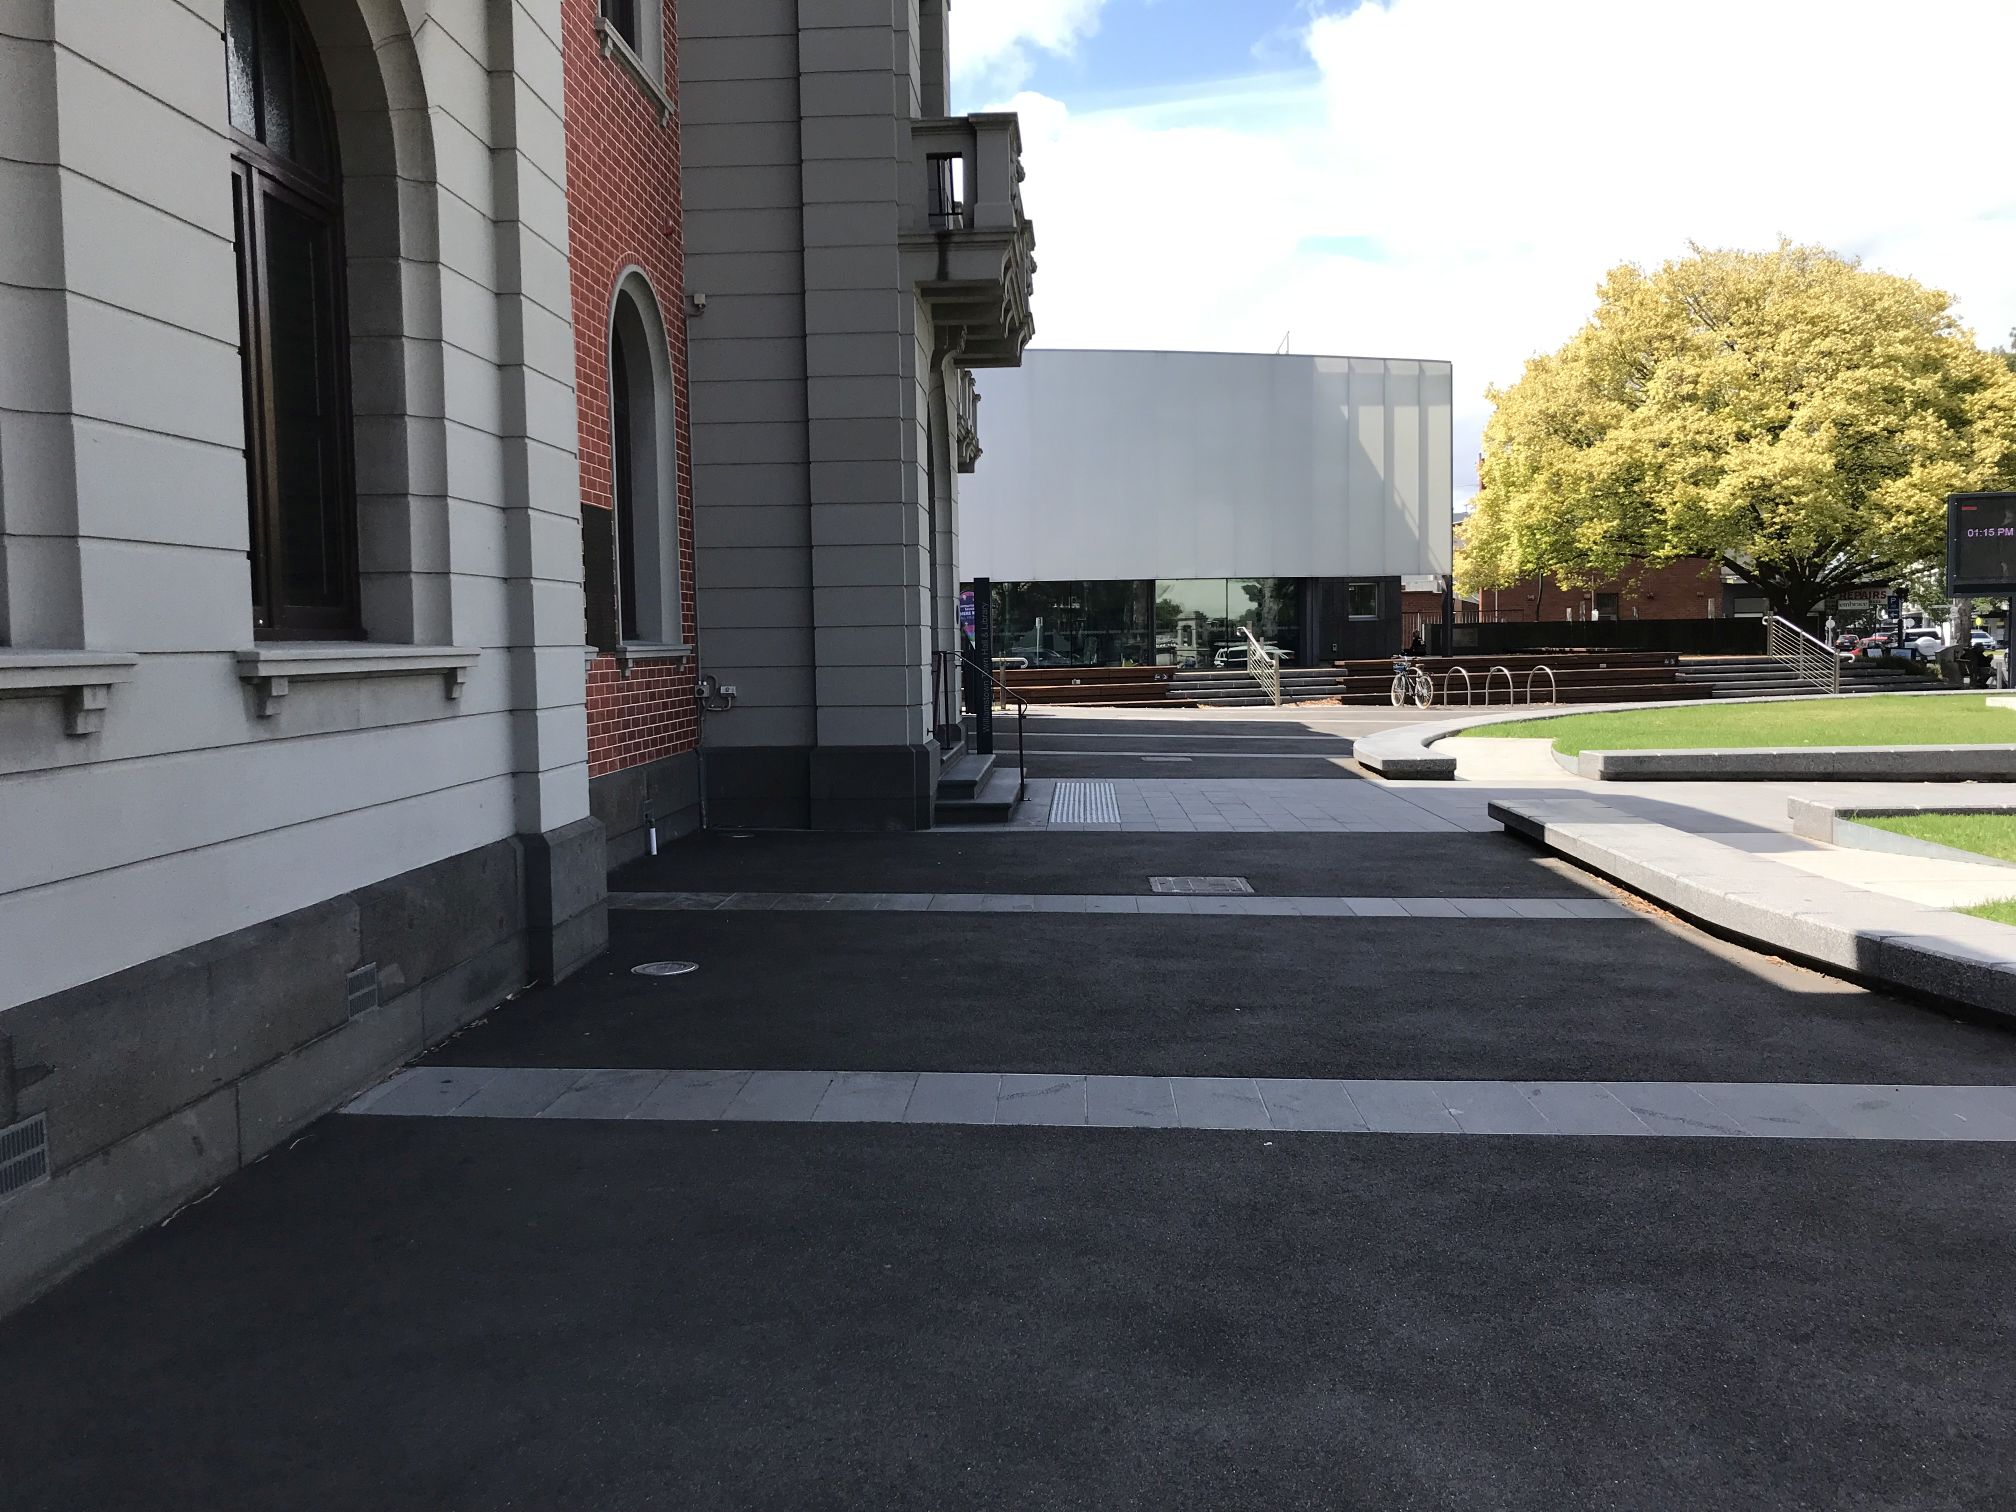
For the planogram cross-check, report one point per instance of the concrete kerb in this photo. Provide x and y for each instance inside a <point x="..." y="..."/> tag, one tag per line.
<point x="1922" y="763"/>
<point x="1402" y="754"/>
<point x="1834" y="823"/>
<point x="1925" y="952"/>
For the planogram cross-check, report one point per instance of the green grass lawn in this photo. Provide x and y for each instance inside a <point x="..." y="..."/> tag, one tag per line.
<point x="1862" y="720"/>
<point x="2002" y="910"/>
<point x="1984" y="834"/>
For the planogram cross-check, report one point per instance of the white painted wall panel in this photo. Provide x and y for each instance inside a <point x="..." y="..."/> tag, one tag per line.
<point x="1102" y="465"/>
<point x="121" y="387"/>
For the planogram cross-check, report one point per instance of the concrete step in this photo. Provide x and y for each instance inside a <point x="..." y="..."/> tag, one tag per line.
<point x="962" y="777"/>
<point x="994" y="802"/>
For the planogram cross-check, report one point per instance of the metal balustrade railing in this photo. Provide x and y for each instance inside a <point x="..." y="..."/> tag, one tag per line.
<point x="1264" y="665"/>
<point x="1809" y="658"/>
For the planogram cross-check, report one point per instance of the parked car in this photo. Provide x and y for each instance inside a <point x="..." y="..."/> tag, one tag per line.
<point x="1043" y="656"/>
<point x="1235" y="655"/>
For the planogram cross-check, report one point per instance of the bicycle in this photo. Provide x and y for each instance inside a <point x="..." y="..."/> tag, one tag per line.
<point x="1411" y="684"/>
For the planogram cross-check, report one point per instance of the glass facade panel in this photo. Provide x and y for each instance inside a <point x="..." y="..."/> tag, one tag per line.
<point x="1073" y="624"/>
<point x="1175" y="622"/>
<point x="1272" y="609"/>
<point x="1192" y="623"/>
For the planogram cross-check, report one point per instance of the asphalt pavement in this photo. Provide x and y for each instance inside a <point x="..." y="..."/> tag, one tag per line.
<point x="544" y="1313"/>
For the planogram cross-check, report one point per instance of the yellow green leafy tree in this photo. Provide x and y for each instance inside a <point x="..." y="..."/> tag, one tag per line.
<point x="1792" y="413"/>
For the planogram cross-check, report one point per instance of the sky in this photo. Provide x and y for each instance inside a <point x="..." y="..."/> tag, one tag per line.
<point x="1452" y="178"/>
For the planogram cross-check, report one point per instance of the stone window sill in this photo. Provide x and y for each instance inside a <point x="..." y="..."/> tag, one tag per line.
<point x="272" y="668"/>
<point x="82" y="679"/>
<point x="613" y="46"/>
<point x="630" y="653"/>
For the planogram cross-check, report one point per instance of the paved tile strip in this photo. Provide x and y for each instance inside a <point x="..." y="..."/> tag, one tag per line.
<point x="1122" y="903"/>
<point x="1673" y="1110"/>
<point x="1082" y="802"/>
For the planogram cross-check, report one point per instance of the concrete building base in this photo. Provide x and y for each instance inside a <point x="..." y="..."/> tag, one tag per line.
<point x="819" y="787"/>
<point x="872" y="787"/>
<point x="159" y="1081"/>
<point x="629" y="803"/>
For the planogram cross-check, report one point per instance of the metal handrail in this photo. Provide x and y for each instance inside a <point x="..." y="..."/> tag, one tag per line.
<point x="947" y="701"/>
<point x="1257" y="658"/>
<point x="1468" y="696"/>
<point x="984" y="744"/>
<point x="1554" y="688"/>
<point x="1511" y="688"/>
<point x="1810" y="659"/>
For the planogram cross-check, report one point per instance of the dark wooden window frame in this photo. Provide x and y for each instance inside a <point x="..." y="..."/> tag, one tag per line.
<point x="623" y="480"/>
<point x="623" y="20"/>
<point x="259" y="175"/>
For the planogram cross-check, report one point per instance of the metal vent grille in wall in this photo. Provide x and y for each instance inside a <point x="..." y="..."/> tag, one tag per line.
<point x="24" y="1155"/>
<point x="361" y="987"/>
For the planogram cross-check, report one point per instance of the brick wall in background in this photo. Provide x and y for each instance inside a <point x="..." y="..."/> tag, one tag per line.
<point x="623" y="212"/>
<point x="1690" y="588"/>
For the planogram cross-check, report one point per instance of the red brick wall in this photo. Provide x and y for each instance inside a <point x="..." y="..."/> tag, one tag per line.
<point x="1690" y="588"/>
<point x="623" y="212"/>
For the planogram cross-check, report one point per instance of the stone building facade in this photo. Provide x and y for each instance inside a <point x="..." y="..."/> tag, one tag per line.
<point x="293" y="763"/>
<point x="627" y="265"/>
<point x="852" y="253"/>
<point x="353" y="591"/>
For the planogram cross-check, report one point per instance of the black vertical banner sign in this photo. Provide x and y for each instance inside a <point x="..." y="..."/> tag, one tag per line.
<point x="982" y="699"/>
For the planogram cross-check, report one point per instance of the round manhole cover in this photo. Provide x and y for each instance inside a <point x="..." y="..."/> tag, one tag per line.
<point x="664" y="968"/>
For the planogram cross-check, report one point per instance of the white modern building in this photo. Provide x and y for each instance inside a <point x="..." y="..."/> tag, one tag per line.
<point x="1142" y="506"/>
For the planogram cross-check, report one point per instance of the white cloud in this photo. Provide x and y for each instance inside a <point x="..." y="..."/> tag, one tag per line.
<point x="1487" y="162"/>
<point x="992" y="40"/>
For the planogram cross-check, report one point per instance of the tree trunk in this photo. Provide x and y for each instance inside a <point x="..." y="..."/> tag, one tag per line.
<point x="1790" y="596"/>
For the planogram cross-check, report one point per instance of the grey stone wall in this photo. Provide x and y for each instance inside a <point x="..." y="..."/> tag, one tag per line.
<point x="811" y="417"/>
<point x="664" y="794"/>
<point x="160" y="1080"/>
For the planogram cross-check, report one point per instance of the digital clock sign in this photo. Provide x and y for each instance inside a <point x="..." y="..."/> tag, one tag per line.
<point x="1981" y="543"/>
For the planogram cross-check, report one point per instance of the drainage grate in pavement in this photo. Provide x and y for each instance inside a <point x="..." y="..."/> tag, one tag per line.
<point x="1077" y="802"/>
<point x="1199" y="887"/>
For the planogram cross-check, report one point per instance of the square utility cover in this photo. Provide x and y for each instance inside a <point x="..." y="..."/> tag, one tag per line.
<point x="1200" y="886"/>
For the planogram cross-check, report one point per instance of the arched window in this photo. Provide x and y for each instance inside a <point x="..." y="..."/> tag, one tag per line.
<point x="632" y="553"/>
<point x="288" y="210"/>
